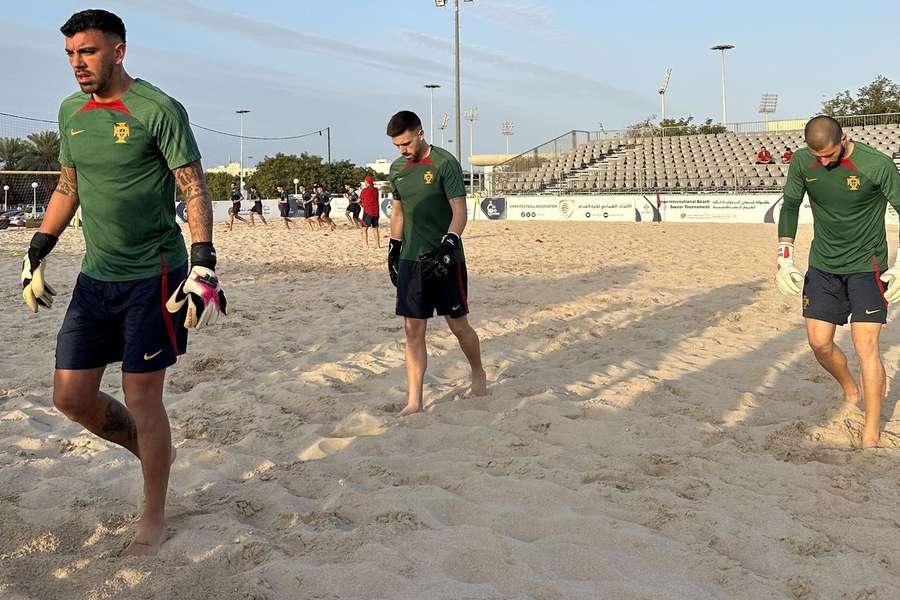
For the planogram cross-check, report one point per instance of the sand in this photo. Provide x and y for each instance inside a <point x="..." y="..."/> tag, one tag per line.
<point x="656" y="428"/>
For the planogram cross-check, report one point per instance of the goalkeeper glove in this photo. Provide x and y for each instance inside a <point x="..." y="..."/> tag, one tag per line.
<point x="35" y="291"/>
<point x="788" y="276"/>
<point x="394" y="259"/>
<point x="200" y="291"/>
<point x="890" y="277"/>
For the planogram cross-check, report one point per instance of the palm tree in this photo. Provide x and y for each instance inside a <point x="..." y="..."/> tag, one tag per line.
<point x="12" y="151"/>
<point x="43" y="152"/>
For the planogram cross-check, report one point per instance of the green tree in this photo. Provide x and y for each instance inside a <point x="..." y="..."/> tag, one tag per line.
<point x="12" y="151"/>
<point x="879" y="97"/>
<point x="309" y="169"/>
<point x="220" y="185"/>
<point x="671" y="127"/>
<point x="42" y="153"/>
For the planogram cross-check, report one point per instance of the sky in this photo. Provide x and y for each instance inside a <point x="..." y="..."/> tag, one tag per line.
<point x="549" y="66"/>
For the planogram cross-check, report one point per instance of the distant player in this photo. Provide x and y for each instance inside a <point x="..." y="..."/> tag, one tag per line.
<point x="353" y="208"/>
<point x="257" y="207"/>
<point x="284" y="205"/>
<point x="323" y="199"/>
<point x="124" y="147"/>
<point x="425" y="255"/>
<point x="368" y="197"/>
<point x="236" y="197"/>
<point x="310" y="211"/>
<point x="849" y="185"/>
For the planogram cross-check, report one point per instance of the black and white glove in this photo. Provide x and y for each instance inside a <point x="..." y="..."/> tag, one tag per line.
<point x="393" y="261"/>
<point x="200" y="291"/>
<point x="35" y="291"/>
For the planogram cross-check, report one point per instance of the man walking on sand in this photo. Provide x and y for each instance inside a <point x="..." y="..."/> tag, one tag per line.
<point x="425" y="255"/>
<point x="124" y="147"/>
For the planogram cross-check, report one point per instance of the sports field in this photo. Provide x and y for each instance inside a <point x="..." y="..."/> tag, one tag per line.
<point x="656" y="428"/>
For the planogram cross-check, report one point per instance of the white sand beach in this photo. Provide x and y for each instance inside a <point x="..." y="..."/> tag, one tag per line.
<point x="657" y="427"/>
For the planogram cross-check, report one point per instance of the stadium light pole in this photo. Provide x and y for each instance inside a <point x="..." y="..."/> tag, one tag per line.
<point x="34" y="186"/>
<point x="445" y="120"/>
<point x="242" y="112"/>
<point x="439" y="4"/>
<point x="663" y="87"/>
<point x="767" y="105"/>
<point x="296" y="181"/>
<point x="471" y="117"/>
<point x="507" y="130"/>
<point x="5" y="193"/>
<point x="431" y="87"/>
<point x="722" y="48"/>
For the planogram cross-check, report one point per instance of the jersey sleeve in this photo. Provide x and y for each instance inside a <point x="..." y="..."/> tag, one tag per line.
<point x="794" y="189"/>
<point x="452" y="180"/>
<point x="65" y="158"/>
<point x="171" y="128"/>
<point x="888" y="180"/>
<point x="394" y="193"/>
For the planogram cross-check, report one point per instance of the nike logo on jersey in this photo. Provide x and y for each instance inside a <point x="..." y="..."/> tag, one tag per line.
<point x="872" y="312"/>
<point x="810" y="180"/>
<point x="152" y="356"/>
<point x="73" y="132"/>
<point x="456" y="307"/>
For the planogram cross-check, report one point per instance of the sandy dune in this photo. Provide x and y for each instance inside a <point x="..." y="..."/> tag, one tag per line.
<point x="657" y="428"/>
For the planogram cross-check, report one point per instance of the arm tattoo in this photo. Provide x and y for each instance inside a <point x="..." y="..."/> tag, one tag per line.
<point x="192" y="184"/>
<point x="68" y="183"/>
<point x="118" y="421"/>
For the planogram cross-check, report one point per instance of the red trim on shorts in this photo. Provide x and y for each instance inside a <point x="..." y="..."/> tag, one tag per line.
<point x="167" y="316"/>
<point x="462" y="288"/>
<point x="117" y="106"/>
<point x="878" y="279"/>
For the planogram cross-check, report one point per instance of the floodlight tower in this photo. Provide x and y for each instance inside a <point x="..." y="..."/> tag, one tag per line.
<point x="439" y="4"/>
<point x="5" y="193"/>
<point x="663" y="86"/>
<point x="507" y="130"/>
<point x="445" y="120"/>
<point x="471" y="117"/>
<point x="431" y="87"/>
<point x="722" y="48"/>
<point x="767" y="105"/>
<point x="242" y="112"/>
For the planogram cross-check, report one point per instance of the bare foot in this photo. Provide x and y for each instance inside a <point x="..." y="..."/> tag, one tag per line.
<point x="410" y="409"/>
<point x="479" y="385"/>
<point x="147" y="539"/>
<point x="870" y="441"/>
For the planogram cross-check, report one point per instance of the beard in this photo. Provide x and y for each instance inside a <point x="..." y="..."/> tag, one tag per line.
<point x="100" y="81"/>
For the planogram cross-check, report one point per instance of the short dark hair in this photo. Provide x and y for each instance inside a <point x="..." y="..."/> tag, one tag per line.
<point x="822" y="131"/>
<point x="403" y="121"/>
<point x="94" y="18"/>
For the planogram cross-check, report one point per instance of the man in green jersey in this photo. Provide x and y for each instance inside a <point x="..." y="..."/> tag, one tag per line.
<point x="124" y="146"/>
<point x="849" y="185"/>
<point x="425" y="255"/>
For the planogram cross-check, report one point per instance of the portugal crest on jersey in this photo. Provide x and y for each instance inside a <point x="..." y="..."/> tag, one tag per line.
<point x="429" y="177"/>
<point x="853" y="183"/>
<point x="121" y="132"/>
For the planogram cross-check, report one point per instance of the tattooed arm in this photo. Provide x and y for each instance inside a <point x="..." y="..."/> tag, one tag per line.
<point x="192" y="184"/>
<point x="63" y="203"/>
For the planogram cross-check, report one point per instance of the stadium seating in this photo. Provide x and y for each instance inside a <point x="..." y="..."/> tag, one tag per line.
<point x="689" y="163"/>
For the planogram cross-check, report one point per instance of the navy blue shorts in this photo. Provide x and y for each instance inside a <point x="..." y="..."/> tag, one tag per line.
<point x="127" y="321"/>
<point x="832" y="298"/>
<point x="370" y="220"/>
<point x="419" y="298"/>
<point x="285" y="210"/>
<point x="257" y="208"/>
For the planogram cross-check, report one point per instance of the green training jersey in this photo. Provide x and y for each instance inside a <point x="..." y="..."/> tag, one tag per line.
<point x="424" y="189"/>
<point x="123" y="153"/>
<point x="848" y="203"/>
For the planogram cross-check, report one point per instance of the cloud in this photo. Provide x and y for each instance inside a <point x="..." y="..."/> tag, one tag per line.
<point x="506" y="70"/>
<point x="270" y="34"/>
<point x="518" y="15"/>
